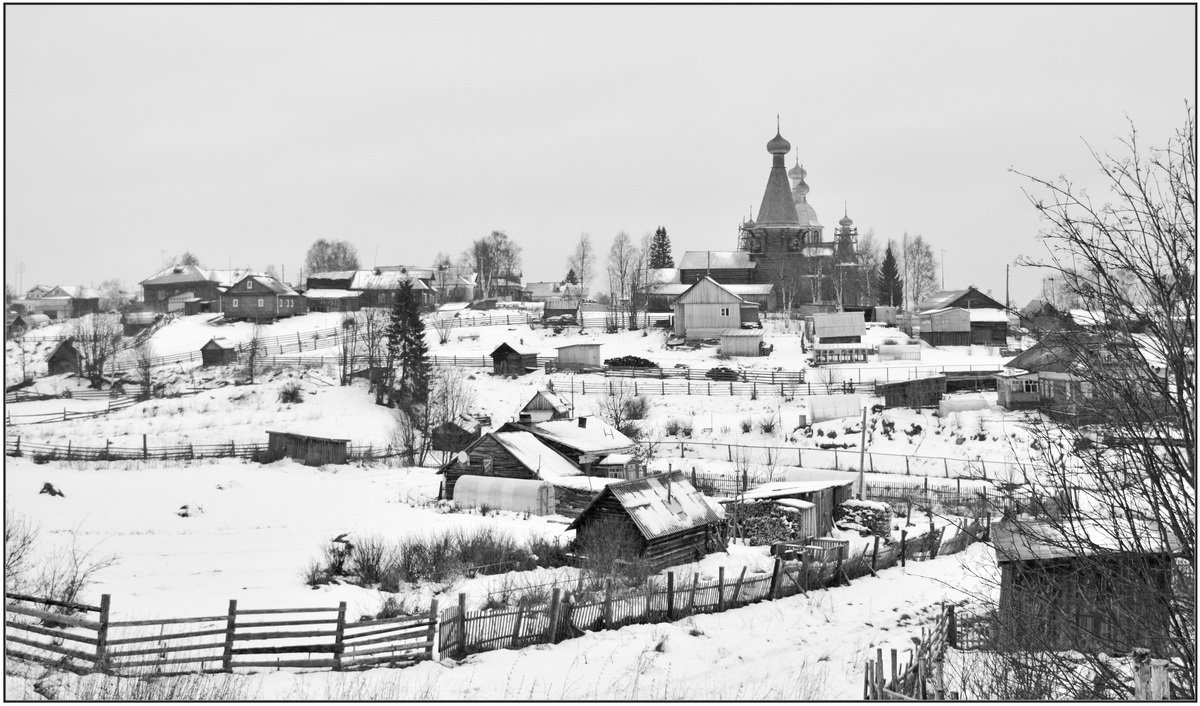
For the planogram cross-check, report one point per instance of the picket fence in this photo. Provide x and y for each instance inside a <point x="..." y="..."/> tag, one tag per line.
<point x="798" y="568"/>
<point x="296" y="637"/>
<point x="921" y="677"/>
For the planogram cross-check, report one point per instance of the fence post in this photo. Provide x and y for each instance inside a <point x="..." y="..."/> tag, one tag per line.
<point x="462" y="624"/>
<point x="721" y="589"/>
<point x="670" y="595"/>
<point x="145" y="448"/>
<point x="102" y="633"/>
<point x="775" y="574"/>
<point x="227" y="656"/>
<point x="951" y="627"/>
<point x="926" y="484"/>
<point x="983" y="464"/>
<point x="903" y="545"/>
<point x="875" y="553"/>
<point x="190" y="454"/>
<point x="19" y="446"/>
<point x="879" y="672"/>
<point x="339" y="634"/>
<point x="906" y="470"/>
<point x="68" y="448"/>
<point x="946" y="465"/>
<point x="608" y="591"/>
<point x="958" y="485"/>
<point x="516" y="636"/>
<point x="867" y="681"/>
<point x="835" y="462"/>
<point x="894" y="673"/>
<point x="429" y="636"/>
<point x="555" y="603"/>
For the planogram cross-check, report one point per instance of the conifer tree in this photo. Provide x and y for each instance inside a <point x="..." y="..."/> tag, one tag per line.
<point x="414" y="355"/>
<point x="660" y="250"/>
<point x="572" y="278"/>
<point x="891" y="288"/>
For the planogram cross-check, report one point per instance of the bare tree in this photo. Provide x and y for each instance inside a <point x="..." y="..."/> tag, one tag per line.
<point x="444" y="325"/>
<point x="254" y="350"/>
<point x="621" y="260"/>
<point x="621" y="408"/>
<point x="372" y="331"/>
<point x="871" y="258"/>
<point x="348" y="340"/>
<point x="920" y="270"/>
<point x="494" y="258"/>
<point x="330" y="255"/>
<point x="451" y="398"/>
<point x="583" y="261"/>
<point x="97" y="338"/>
<point x="20" y="538"/>
<point x="1130" y="524"/>
<point x="639" y="276"/>
<point x="144" y="363"/>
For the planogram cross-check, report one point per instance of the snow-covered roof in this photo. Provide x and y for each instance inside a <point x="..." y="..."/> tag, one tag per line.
<point x="274" y="284"/>
<point x="988" y="316"/>
<point x="1040" y="540"/>
<point x="71" y="291"/>
<point x="367" y="279"/>
<point x="454" y="306"/>
<point x="716" y="260"/>
<point x="331" y="294"/>
<point x="578" y="345"/>
<point x="519" y="350"/>
<point x="616" y="459"/>
<point x="597" y="436"/>
<point x="535" y="455"/>
<point x="742" y="290"/>
<point x="796" y="503"/>
<point x="783" y="489"/>
<point x="943" y="310"/>
<point x="1083" y="317"/>
<point x="742" y="333"/>
<point x="662" y="275"/>
<point x="660" y="505"/>
<point x="139" y="317"/>
<point x="556" y="403"/>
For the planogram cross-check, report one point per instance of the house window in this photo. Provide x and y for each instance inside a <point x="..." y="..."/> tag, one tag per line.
<point x="249" y="284"/>
<point x="724" y="311"/>
<point x="381" y="297"/>
<point x="235" y="302"/>
<point x="260" y="303"/>
<point x="1029" y="386"/>
<point x="161" y="295"/>
<point x="487" y="466"/>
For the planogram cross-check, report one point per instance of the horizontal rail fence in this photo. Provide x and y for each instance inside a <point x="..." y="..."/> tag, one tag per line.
<point x="764" y="377"/>
<point x="181" y="452"/>
<point x="64" y="416"/>
<point x="580" y="384"/>
<point x="843" y="459"/>
<point x="315" y="638"/>
<point x="798" y="569"/>
<point x="514" y="319"/>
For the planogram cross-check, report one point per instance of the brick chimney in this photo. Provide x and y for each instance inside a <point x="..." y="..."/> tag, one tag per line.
<point x="583" y="422"/>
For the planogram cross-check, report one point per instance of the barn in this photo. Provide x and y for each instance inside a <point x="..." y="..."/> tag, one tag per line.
<point x="21" y="323"/>
<point x="218" y="351"/>
<point x="1110" y="591"/>
<point x="706" y="310"/>
<point x="742" y="342"/>
<point x="577" y="356"/>
<point x="64" y="358"/>
<point x="309" y="450"/>
<point x="945" y="327"/>
<point x="507" y="359"/>
<point x="660" y="519"/>
<point x="915" y="393"/>
<point x="543" y="407"/>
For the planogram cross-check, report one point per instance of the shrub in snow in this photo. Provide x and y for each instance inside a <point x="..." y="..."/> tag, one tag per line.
<point x="767" y="425"/>
<point x="671" y="427"/>
<point x="686" y="429"/>
<point x="866" y="517"/>
<point x="913" y="430"/>
<point x="747" y="424"/>
<point x="291" y="393"/>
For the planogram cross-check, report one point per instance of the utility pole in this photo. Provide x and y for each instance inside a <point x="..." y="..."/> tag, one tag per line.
<point x="944" y="271"/>
<point x="1007" y="301"/>
<point x="862" y="456"/>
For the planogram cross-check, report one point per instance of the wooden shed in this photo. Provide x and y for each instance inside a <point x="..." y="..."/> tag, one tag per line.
<point x="916" y="393"/>
<point x="134" y="322"/>
<point x="815" y="501"/>
<point x="218" y="351"/>
<point x="577" y="356"/>
<point x="660" y="519"/>
<point x="945" y="327"/>
<point x="64" y="358"/>
<point x="543" y="407"/>
<point x="1081" y="590"/>
<point x="706" y="310"/>
<point x="507" y="359"/>
<point x="309" y="450"/>
<point x="333" y="300"/>
<point x="842" y="327"/>
<point x="743" y="342"/>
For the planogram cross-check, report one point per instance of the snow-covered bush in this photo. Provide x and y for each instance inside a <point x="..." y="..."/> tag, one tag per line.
<point x="864" y="516"/>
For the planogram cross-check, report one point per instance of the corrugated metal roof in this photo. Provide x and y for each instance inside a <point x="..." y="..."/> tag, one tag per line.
<point x="709" y="291"/>
<point x="782" y="489"/>
<point x="555" y="402"/>
<point x="661" y="505"/>
<point x="384" y="280"/>
<point x="750" y="290"/>
<point x="535" y="455"/>
<point x="331" y="294"/>
<point x="716" y="260"/>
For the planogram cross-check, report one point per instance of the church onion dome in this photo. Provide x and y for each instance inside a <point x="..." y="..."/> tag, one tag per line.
<point x="845" y="222"/>
<point x="778" y="145"/>
<point x="798" y="172"/>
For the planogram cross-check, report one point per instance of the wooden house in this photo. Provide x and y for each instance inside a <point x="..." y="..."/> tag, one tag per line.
<point x="812" y="501"/>
<point x="546" y="291"/>
<point x="1083" y="590"/>
<point x="543" y="407"/>
<point x="1017" y="389"/>
<point x="561" y="307"/>
<point x="579" y="356"/>
<point x="706" y="310"/>
<point x="583" y="440"/>
<point x="742" y="342"/>
<point x="661" y="520"/>
<point x="915" y="393"/>
<point x="1040" y="316"/>
<point x="218" y="351"/>
<point x="309" y="450"/>
<point x="261" y="298"/>
<point x="452" y="436"/>
<point x="333" y="300"/>
<point x="987" y="320"/>
<point x="134" y="322"/>
<point x="64" y="358"/>
<point x="378" y="287"/>
<point x="507" y="359"/>
<point x="969" y="298"/>
<point x="60" y="302"/>
<point x="14" y="325"/>
<point x="19" y="324"/>
<point x="508" y="453"/>
<point x="623" y="466"/>
<point x="164" y="289"/>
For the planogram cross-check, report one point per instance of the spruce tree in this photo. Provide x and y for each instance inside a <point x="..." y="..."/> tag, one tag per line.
<point x="891" y="288"/>
<point x="660" y="250"/>
<point x="396" y="331"/>
<point x="415" y="351"/>
<point x="572" y="278"/>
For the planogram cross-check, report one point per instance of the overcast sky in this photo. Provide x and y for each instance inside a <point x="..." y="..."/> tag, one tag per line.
<point x="243" y="133"/>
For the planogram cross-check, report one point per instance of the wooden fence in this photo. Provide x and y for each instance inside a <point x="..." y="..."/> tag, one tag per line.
<point x="114" y="404"/>
<point x="183" y="452"/>
<point x="920" y="677"/>
<point x="580" y="384"/>
<point x="240" y="639"/>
